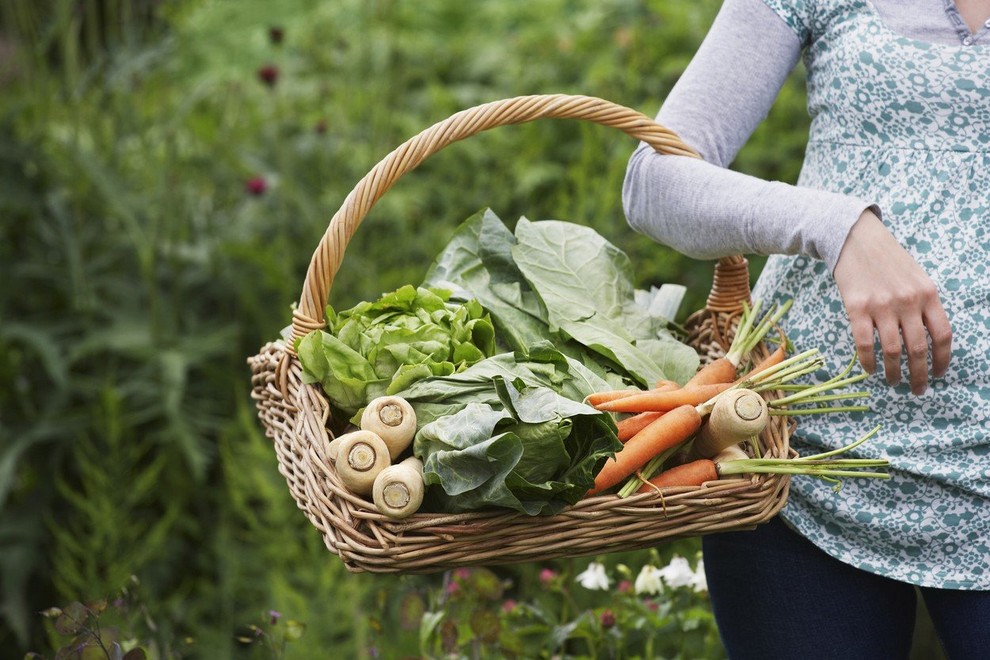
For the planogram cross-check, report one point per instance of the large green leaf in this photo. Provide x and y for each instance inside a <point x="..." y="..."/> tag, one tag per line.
<point x="586" y="286"/>
<point x="477" y="263"/>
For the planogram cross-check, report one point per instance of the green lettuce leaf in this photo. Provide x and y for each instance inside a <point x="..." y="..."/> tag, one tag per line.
<point x="384" y="346"/>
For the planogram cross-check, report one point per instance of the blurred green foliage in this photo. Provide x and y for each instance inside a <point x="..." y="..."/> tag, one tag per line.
<point x="166" y="170"/>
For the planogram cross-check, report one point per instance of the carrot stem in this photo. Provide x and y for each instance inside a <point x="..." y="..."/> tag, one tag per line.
<point x="788" y="412"/>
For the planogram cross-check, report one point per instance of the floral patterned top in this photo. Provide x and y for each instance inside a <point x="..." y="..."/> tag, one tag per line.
<point x="906" y="124"/>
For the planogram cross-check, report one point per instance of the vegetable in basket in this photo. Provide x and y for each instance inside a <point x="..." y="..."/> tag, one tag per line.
<point x="564" y="283"/>
<point x="534" y="452"/>
<point x="378" y="348"/>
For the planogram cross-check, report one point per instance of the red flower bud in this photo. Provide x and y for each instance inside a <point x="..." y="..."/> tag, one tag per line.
<point x="256" y="186"/>
<point x="268" y="74"/>
<point x="607" y="619"/>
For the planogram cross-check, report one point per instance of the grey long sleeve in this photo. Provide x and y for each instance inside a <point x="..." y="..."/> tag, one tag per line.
<point x="704" y="210"/>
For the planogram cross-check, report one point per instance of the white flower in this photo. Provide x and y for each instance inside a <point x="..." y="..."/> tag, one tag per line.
<point x="699" y="581"/>
<point x="648" y="581"/>
<point x="594" y="577"/>
<point x="677" y="573"/>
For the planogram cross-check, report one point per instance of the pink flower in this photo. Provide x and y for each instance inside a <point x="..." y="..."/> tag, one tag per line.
<point x="547" y="575"/>
<point x="256" y="186"/>
<point x="274" y="616"/>
<point x="607" y="619"/>
<point x="268" y="74"/>
<point x="452" y="588"/>
<point x="462" y="573"/>
<point x="624" y="587"/>
<point x="508" y="605"/>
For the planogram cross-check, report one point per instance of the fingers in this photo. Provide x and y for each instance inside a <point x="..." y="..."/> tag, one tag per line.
<point x="916" y="344"/>
<point x="904" y="330"/>
<point x="862" y="331"/>
<point x="890" y="348"/>
<point x="941" y="333"/>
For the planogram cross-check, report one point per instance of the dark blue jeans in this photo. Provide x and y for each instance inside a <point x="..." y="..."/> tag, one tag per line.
<point x="778" y="597"/>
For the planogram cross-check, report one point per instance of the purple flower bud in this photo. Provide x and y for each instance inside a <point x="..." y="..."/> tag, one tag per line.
<point x="607" y="619"/>
<point x="274" y="616"/>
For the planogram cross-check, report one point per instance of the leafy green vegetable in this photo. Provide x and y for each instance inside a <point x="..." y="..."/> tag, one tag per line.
<point x="534" y="451"/>
<point x="564" y="283"/>
<point x="385" y="346"/>
<point x="541" y="366"/>
<point x="477" y="263"/>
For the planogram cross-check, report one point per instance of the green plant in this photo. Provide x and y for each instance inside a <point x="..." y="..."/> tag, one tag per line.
<point x="641" y="610"/>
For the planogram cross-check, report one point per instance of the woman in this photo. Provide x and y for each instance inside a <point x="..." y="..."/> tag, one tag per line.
<point x="899" y="94"/>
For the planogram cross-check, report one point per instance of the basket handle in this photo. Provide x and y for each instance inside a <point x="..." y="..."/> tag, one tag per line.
<point x="326" y="260"/>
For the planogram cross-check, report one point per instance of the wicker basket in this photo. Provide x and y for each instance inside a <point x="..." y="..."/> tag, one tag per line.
<point x="297" y="416"/>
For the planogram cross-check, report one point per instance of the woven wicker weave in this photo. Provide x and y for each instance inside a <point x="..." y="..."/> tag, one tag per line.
<point x="298" y="419"/>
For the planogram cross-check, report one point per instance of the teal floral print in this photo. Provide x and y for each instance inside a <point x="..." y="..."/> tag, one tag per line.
<point x="905" y="124"/>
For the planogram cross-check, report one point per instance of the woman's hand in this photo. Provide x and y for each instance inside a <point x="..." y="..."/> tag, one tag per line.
<point x="883" y="287"/>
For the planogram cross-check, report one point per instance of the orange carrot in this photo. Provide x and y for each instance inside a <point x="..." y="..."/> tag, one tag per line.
<point x="664" y="400"/>
<point x="694" y="473"/>
<point x="774" y="358"/>
<point x="599" y="398"/>
<point x="630" y="426"/>
<point x="722" y="370"/>
<point x="663" y="433"/>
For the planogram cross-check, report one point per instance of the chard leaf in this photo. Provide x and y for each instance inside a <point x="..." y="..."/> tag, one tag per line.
<point x="531" y="451"/>
<point x="477" y="264"/>
<point x="585" y="283"/>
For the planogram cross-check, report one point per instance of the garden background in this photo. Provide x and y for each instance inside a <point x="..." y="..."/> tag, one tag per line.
<point x="166" y="169"/>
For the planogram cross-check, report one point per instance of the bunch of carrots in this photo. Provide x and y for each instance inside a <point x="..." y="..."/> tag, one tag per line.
<point x="702" y="422"/>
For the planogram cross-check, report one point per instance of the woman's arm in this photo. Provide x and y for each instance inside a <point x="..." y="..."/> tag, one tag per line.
<point x="704" y="210"/>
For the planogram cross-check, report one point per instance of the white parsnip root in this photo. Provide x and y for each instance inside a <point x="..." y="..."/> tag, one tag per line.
<point x="736" y="416"/>
<point x="398" y="490"/>
<point x="361" y="456"/>
<point x="393" y="420"/>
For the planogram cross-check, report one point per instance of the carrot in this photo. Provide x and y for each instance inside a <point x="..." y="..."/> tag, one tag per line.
<point x="599" y="398"/>
<point x="630" y="426"/>
<point x="668" y="384"/>
<point x="722" y="370"/>
<point x="694" y="473"/>
<point x="664" y="400"/>
<point x="663" y="433"/>
<point x="771" y="360"/>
